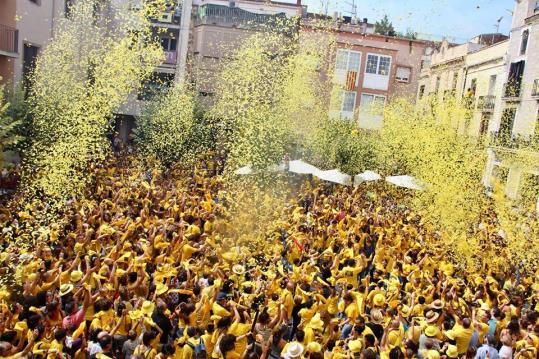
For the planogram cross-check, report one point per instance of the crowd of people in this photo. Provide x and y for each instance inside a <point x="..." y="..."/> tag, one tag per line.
<point x="149" y="267"/>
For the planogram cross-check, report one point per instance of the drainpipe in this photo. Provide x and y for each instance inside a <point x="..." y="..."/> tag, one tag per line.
<point x="185" y="28"/>
<point x="52" y="17"/>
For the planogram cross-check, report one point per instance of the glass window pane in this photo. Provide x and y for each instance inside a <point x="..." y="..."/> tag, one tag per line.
<point x="353" y="63"/>
<point x="372" y="64"/>
<point x="366" y="101"/>
<point x="349" y="101"/>
<point x="341" y="60"/>
<point x="385" y="63"/>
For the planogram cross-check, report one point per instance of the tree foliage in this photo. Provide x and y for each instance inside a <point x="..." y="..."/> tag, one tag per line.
<point x="384" y="27"/>
<point x="8" y="127"/>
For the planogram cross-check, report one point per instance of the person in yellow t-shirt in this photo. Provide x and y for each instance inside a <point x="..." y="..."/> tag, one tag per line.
<point x="463" y="332"/>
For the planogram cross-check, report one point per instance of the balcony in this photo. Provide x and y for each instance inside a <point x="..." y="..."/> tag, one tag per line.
<point x="220" y="15"/>
<point x="512" y="91"/>
<point x="514" y="141"/>
<point x="9" y="39"/>
<point x="486" y="103"/>
<point x="170" y="57"/>
<point x="535" y="89"/>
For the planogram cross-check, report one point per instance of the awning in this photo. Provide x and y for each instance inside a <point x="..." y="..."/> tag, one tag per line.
<point x="405" y="182"/>
<point x="301" y="167"/>
<point x="366" y="176"/>
<point x="245" y="170"/>
<point x="334" y="176"/>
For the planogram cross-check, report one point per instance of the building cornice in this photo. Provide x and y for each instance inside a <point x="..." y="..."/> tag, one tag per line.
<point x="532" y="19"/>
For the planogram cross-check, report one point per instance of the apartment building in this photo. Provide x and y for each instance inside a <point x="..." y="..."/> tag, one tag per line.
<point x="219" y="28"/>
<point x="445" y="70"/>
<point x="370" y="69"/>
<point x="25" y="28"/>
<point x="9" y="36"/>
<point x="513" y="156"/>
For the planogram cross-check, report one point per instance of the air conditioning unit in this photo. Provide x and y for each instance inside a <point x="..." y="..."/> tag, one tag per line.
<point x="166" y="17"/>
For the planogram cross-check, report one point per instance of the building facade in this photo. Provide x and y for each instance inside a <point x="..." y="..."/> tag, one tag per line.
<point x="513" y="157"/>
<point x="369" y="69"/>
<point x="498" y="80"/>
<point x="9" y="36"/>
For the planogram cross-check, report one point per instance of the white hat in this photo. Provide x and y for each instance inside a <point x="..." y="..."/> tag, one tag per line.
<point x="294" y="350"/>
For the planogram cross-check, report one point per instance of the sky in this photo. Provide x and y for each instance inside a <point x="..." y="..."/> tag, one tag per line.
<point x="458" y="20"/>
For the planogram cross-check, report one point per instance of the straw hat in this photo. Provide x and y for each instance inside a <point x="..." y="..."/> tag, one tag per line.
<point x="65" y="288"/>
<point x="432" y="316"/>
<point x="294" y="350"/>
<point x="405" y="310"/>
<point x="238" y="269"/>
<point x="431" y="331"/>
<point x="437" y="304"/>
<point x="377" y="316"/>
<point x="75" y="276"/>
<point x="147" y="307"/>
<point x="433" y="354"/>
<point x="450" y="334"/>
<point x="452" y="351"/>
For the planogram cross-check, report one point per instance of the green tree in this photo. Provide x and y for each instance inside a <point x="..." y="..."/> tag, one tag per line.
<point x="384" y="27"/>
<point x="8" y="127"/>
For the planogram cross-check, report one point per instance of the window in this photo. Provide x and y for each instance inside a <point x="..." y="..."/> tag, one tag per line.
<point x="536" y="9"/>
<point x="347" y="60"/>
<point x="437" y="88"/>
<point x="168" y="44"/>
<point x="385" y="63"/>
<point x="67" y="7"/>
<point x="372" y="103"/>
<point x="403" y="74"/>
<point x="30" y="53"/>
<point x="455" y="80"/>
<point x="380" y="65"/>
<point x="421" y="91"/>
<point x="348" y="101"/>
<point x="372" y="64"/>
<point x="37" y="2"/>
<point x="524" y="42"/>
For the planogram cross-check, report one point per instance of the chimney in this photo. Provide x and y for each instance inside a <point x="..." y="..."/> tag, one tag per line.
<point x="298" y="2"/>
<point x="365" y="20"/>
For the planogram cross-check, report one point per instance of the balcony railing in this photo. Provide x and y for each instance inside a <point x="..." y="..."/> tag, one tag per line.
<point x="486" y="103"/>
<point x="514" y="141"/>
<point x="535" y="88"/>
<point x="170" y="57"/>
<point x="9" y="39"/>
<point x="512" y="90"/>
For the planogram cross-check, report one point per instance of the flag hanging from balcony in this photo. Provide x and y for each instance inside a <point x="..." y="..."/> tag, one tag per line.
<point x="351" y="78"/>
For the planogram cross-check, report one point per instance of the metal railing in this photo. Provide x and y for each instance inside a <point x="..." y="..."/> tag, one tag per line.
<point x="9" y="38"/>
<point x="170" y="57"/>
<point x="512" y="90"/>
<point x="486" y="103"/>
<point x="514" y="141"/>
<point x="535" y="88"/>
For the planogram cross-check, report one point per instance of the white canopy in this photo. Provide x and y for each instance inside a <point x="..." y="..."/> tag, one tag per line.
<point x="276" y="168"/>
<point x="405" y="181"/>
<point x="366" y="176"/>
<point x="301" y="167"/>
<point x="335" y="176"/>
<point x="245" y="170"/>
